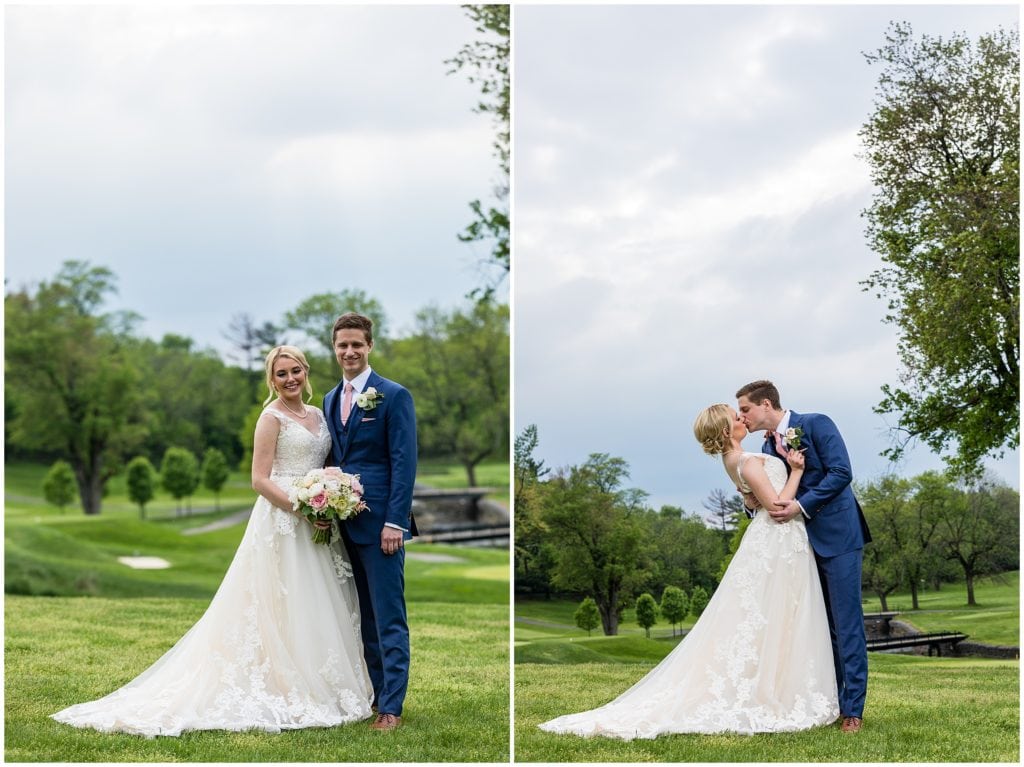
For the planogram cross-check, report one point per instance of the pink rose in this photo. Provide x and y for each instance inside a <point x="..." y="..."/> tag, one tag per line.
<point x="318" y="502"/>
<point x="356" y="487"/>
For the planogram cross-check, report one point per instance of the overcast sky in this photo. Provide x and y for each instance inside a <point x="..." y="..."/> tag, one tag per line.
<point x="687" y="219"/>
<point x="227" y="159"/>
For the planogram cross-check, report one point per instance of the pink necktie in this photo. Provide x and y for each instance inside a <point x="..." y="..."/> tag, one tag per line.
<point x="779" y="447"/>
<point x="346" y="404"/>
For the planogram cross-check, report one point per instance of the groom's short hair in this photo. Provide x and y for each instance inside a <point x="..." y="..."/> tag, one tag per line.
<point x="353" y="321"/>
<point x="758" y="391"/>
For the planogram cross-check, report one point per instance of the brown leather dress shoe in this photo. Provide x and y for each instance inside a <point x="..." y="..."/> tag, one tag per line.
<point x="386" y="722"/>
<point x="852" y="724"/>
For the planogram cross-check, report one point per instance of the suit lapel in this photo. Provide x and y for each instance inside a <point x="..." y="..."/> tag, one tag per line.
<point x="331" y="414"/>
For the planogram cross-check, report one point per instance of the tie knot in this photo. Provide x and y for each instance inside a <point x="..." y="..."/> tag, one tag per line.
<point x="348" y="386"/>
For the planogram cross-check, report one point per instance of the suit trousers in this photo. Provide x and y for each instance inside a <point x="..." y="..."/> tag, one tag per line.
<point x="841" y="584"/>
<point x="380" y="583"/>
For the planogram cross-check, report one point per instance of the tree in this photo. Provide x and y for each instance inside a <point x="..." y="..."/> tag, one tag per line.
<point x="587" y="616"/>
<point x="675" y="606"/>
<point x="734" y="544"/>
<point x="944" y="147"/>
<point x="646" y="613"/>
<point x="904" y="514"/>
<point x="457" y="367"/>
<point x="533" y="559"/>
<point x="252" y="342"/>
<point x="486" y="59"/>
<point x="979" y="530"/>
<point x="141" y="480"/>
<point x="215" y="472"/>
<point x="76" y="394"/>
<point x="601" y="547"/>
<point x="698" y="600"/>
<point x="315" y="317"/>
<point x="179" y="473"/>
<point x="192" y="399"/>
<point x="59" y="485"/>
<point x="526" y="467"/>
<point x="882" y="572"/>
<point x="685" y="551"/>
<point x="724" y="511"/>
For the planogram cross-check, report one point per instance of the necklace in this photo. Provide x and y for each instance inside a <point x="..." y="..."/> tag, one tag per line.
<point x="305" y="410"/>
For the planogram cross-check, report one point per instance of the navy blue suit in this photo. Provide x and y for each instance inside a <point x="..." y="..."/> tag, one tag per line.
<point x="838" y="531"/>
<point x="379" y="445"/>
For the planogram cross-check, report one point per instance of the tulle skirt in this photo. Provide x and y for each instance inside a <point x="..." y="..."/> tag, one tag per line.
<point x="278" y="648"/>
<point x="759" y="659"/>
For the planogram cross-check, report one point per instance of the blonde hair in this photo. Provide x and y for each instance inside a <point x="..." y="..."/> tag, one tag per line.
<point x="291" y="353"/>
<point x="712" y="429"/>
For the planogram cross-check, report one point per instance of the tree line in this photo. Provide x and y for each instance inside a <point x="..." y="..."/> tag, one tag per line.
<point x="85" y="388"/>
<point x="580" y="532"/>
<point x="932" y="529"/>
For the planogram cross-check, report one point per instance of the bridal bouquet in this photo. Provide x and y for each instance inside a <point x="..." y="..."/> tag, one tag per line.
<point x="325" y="494"/>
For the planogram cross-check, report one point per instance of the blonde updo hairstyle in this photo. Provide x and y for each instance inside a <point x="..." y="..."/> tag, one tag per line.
<point x="712" y="429"/>
<point x="291" y="353"/>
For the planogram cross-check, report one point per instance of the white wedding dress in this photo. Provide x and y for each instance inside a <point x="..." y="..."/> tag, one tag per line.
<point x="279" y="646"/>
<point x="759" y="659"/>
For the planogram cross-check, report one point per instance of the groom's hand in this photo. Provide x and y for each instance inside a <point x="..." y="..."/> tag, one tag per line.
<point x="783" y="511"/>
<point x="390" y="539"/>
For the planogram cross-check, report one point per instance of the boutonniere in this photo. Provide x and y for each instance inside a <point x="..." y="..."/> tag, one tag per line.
<point x="792" y="438"/>
<point x="369" y="398"/>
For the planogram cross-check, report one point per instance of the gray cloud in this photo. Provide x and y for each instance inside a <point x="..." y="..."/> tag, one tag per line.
<point x="687" y="217"/>
<point x="239" y="158"/>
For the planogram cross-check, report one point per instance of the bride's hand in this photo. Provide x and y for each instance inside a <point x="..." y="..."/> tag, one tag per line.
<point x="795" y="459"/>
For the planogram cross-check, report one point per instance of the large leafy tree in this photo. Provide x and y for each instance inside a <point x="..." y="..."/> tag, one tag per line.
<point x="485" y="61"/>
<point x="74" y="392"/>
<point x="903" y="515"/>
<point x="979" y="529"/>
<point x="456" y="365"/>
<point x="943" y="144"/>
<point x="598" y="539"/>
<point x="314" y="317"/>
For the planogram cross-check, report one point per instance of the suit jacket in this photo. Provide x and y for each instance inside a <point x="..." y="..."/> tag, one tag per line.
<point x="835" y="521"/>
<point x="379" y="445"/>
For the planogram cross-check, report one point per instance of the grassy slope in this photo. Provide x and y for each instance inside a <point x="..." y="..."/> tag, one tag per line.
<point x="459" y="691"/>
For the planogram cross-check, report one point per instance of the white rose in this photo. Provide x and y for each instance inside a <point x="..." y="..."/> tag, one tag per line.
<point x="790" y="433"/>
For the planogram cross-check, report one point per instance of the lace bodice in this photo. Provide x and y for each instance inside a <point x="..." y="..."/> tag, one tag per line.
<point x="774" y="467"/>
<point x="298" y="450"/>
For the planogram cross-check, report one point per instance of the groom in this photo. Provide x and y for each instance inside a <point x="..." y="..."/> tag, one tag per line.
<point x="835" y="526"/>
<point x="373" y="428"/>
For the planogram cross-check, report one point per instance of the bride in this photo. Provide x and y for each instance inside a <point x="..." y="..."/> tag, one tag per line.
<point x="278" y="648"/>
<point x="759" y="659"/>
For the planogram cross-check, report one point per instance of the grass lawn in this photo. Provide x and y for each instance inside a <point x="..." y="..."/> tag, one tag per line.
<point x="457" y="708"/>
<point x="919" y="710"/>
<point x="81" y="624"/>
